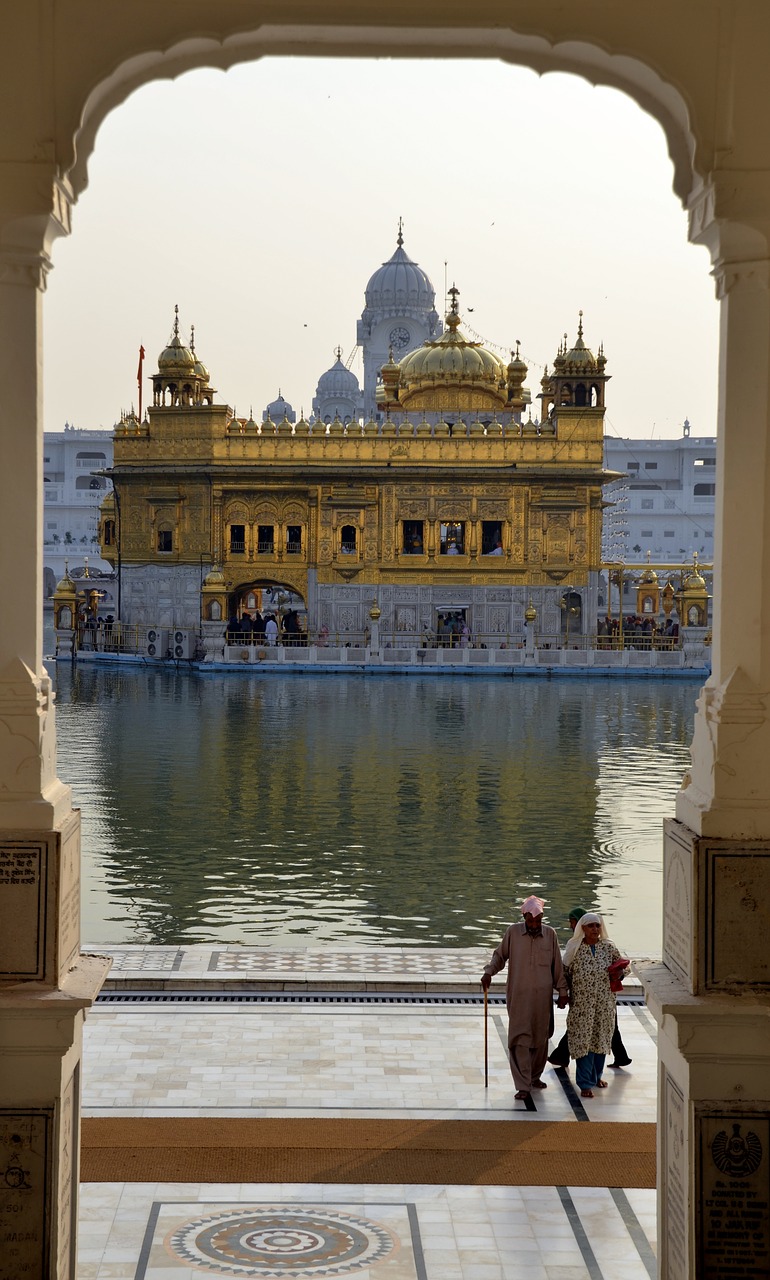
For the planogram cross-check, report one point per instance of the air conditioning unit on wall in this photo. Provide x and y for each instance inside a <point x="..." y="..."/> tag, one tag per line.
<point x="155" y="643"/>
<point x="182" y="644"/>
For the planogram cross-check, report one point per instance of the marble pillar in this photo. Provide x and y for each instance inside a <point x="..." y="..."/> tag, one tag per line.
<point x="45" y="983"/>
<point x="711" y="993"/>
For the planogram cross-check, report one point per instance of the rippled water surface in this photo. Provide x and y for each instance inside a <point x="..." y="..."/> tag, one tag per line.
<point x="393" y="810"/>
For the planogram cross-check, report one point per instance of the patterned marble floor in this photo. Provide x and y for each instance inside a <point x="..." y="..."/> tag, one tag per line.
<point x="144" y="1231"/>
<point x="380" y="1059"/>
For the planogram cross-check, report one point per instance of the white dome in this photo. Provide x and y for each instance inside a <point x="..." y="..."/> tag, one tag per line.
<point x="400" y="282"/>
<point x="278" y="409"/>
<point x="338" y="382"/>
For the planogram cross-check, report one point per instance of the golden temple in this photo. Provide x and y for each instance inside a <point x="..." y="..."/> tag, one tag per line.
<point x="447" y="497"/>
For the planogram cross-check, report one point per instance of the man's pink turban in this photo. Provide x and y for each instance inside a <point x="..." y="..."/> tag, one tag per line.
<point x="532" y="906"/>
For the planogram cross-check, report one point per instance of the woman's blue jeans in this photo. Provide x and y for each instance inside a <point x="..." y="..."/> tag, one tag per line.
<point x="588" y="1070"/>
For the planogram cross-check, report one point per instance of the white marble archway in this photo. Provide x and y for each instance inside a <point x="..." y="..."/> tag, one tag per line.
<point x="704" y="83"/>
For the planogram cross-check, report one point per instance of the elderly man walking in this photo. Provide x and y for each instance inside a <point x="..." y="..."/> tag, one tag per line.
<point x="531" y="951"/>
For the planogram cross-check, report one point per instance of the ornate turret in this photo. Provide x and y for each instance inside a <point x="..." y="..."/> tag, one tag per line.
<point x="577" y="380"/>
<point x="182" y="380"/>
<point x="692" y="599"/>
<point x="648" y="590"/>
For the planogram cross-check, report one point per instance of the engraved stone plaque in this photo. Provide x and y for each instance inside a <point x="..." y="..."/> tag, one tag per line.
<point x="23" y="902"/>
<point x="40" y="903"/>
<point x="24" y="1208"/>
<point x="675" y="1174"/>
<point x="678" y="858"/>
<point x="733" y="1196"/>
<point x="738" y="893"/>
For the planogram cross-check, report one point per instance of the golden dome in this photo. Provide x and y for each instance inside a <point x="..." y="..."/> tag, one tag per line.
<point x="578" y="357"/>
<point x="694" y="582"/>
<point x="67" y="586"/>
<point x="176" y="356"/>
<point x="214" y="577"/>
<point x="455" y="363"/>
<point x="648" y="578"/>
<point x="530" y="613"/>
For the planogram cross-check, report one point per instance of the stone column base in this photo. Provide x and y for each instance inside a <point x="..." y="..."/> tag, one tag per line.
<point x="41" y="1032"/>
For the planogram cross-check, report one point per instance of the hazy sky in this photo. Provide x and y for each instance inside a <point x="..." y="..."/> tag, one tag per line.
<point x="261" y="201"/>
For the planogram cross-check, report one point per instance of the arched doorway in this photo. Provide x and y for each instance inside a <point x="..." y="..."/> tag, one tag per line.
<point x="707" y="90"/>
<point x="252" y="606"/>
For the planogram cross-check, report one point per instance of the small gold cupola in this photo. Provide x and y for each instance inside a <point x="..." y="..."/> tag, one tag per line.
<point x="182" y="380"/>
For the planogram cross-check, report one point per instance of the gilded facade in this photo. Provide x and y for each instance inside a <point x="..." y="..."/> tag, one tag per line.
<point x="452" y="500"/>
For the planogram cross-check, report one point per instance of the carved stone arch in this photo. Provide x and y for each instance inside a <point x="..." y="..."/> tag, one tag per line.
<point x="613" y="54"/>
<point x="294" y="513"/>
<point x="236" y="513"/>
<point x="266" y="511"/>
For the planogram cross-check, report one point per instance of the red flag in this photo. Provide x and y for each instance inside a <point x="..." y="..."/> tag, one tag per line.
<point x="139" y="379"/>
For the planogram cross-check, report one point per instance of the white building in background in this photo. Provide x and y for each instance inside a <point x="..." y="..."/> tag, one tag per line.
<point x="73" y="494"/>
<point x="668" y="496"/>
<point x="664" y="504"/>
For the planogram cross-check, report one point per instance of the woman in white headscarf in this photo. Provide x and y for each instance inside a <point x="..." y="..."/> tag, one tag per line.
<point x="591" y="1017"/>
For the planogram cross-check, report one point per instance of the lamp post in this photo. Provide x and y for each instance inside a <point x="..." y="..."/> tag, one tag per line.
<point x="375" y="613"/>
<point x="569" y="610"/>
<point x="530" y="617"/>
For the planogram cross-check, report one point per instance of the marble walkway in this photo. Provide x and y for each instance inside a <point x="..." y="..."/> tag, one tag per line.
<point x="342" y="1033"/>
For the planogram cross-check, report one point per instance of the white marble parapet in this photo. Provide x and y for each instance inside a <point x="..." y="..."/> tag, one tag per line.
<point x="300" y="969"/>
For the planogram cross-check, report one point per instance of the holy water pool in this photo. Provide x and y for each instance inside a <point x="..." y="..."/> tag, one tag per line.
<point x="291" y="810"/>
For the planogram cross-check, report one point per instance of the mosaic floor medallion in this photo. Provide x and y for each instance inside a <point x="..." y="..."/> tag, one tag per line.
<point x="287" y="1241"/>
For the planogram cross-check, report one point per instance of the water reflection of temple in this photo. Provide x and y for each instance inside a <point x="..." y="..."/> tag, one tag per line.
<point x="451" y="495"/>
<point x="378" y="810"/>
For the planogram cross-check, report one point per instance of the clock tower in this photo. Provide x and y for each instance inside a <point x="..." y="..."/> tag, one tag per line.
<point x="399" y="315"/>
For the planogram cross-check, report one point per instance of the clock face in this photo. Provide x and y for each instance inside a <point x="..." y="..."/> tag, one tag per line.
<point x="399" y="337"/>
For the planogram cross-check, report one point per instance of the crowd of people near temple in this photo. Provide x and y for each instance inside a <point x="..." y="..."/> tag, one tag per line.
<point x="267" y="628"/>
<point x="640" y="631"/>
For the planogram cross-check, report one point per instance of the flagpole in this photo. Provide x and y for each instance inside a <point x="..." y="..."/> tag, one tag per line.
<point x="139" y="379"/>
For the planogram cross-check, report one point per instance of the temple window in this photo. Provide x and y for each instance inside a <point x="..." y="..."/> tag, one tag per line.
<point x="109" y="533"/>
<point x="348" y="537"/>
<point x="491" y="538"/>
<point x="704" y="490"/>
<point x="237" y="538"/>
<point x="581" y="395"/>
<point x="165" y="540"/>
<point x="453" y="538"/>
<point x="265" y="539"/>
<point x="412" y="544"/>
<point x="293" y="539"/>
<point x="566" y="395"/>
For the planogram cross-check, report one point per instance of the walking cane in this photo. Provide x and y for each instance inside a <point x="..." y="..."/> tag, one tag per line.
<point x="486" y="1044"/>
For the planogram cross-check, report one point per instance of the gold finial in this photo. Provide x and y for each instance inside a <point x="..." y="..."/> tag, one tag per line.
<point x="338" y="351"/>
<point x="176" y="322"/>
<point x="580" y="324"/>
<point x="530" y="613"/>
<point x="192" y="338"/>
<point x="375" y="613"/>
<point x="400" y="237"/>
<point x="86" y="574"/>
<point x="649" y="556"/>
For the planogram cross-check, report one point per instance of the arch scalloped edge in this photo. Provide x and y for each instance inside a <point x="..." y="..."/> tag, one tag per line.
<point x="591" y="61"/>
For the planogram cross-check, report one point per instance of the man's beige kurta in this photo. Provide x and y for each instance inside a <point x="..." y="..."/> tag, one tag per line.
<point x="534" y="972"/>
